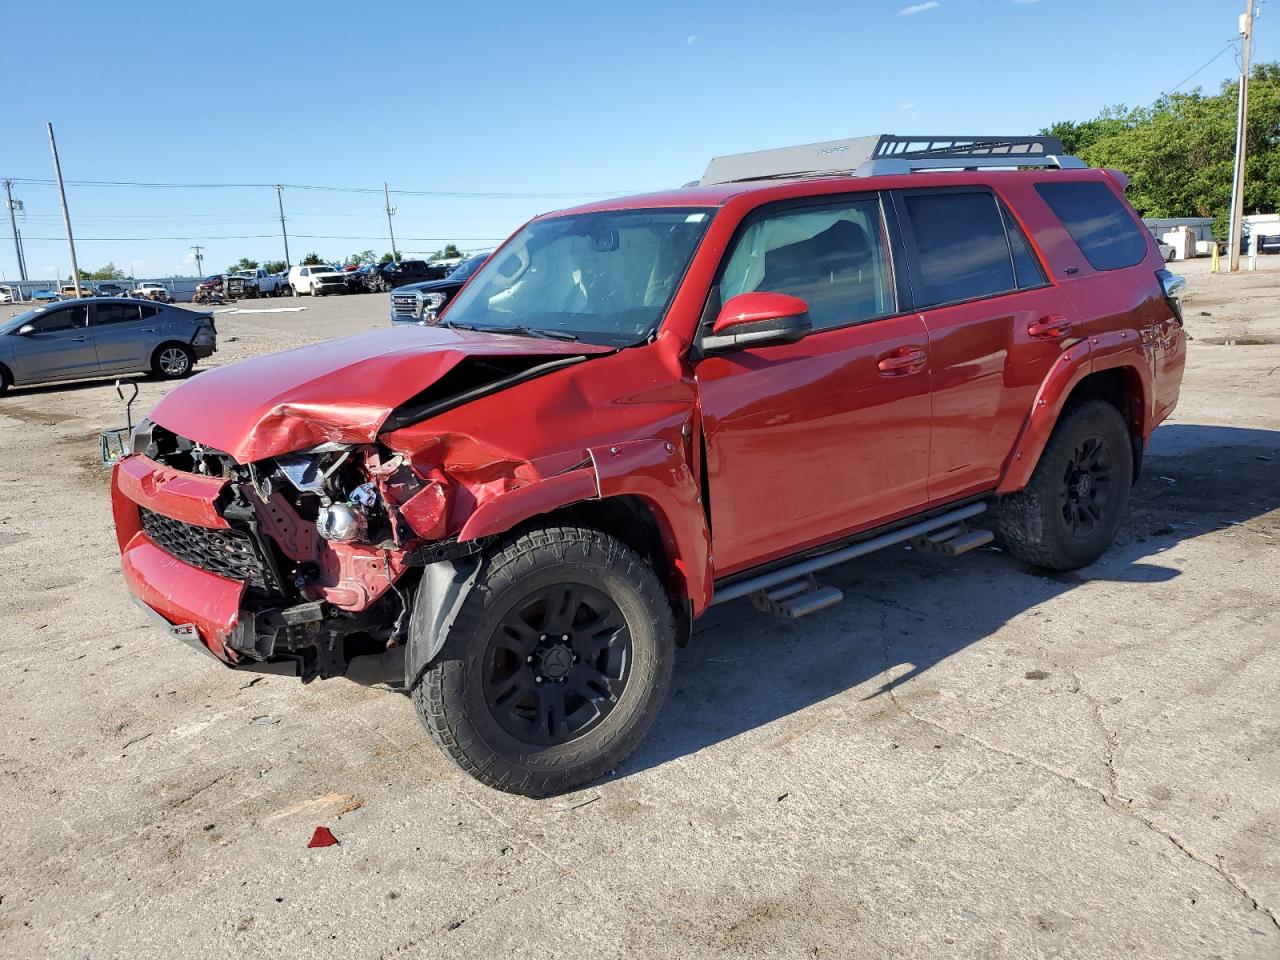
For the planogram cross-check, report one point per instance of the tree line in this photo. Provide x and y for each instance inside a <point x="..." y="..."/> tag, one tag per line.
<point x="1179" y="152"/>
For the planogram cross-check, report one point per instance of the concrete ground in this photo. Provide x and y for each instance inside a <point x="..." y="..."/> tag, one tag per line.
<point x="967" y="758"/>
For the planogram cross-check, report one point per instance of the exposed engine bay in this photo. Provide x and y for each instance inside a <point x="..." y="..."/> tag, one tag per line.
<point x="320" y="539"/>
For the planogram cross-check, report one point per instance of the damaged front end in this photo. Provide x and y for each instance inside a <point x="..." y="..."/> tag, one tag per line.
<point x="294" y="559"/>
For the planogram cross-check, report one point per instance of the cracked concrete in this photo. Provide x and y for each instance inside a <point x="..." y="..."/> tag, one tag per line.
<point x="964" y="759"/>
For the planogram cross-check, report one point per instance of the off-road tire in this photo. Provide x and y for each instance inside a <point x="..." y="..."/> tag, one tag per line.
<point x="1032" y="524"/>
<point x="162" y="366"/>
<point x="451" y="700"/>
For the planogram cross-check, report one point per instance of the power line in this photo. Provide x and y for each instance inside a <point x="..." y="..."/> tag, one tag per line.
<point x="267" y="236"/>
<point x="494" y="195"/>
<point x="1230" y="43"/>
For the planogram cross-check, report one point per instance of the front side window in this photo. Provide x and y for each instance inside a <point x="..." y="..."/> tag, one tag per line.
<point x="833" y="257"/>
<point x="1098" y="222"/>
<point x="961" y="249"/>
<point x="606" y="277"/>
<point x="68" y="318"/>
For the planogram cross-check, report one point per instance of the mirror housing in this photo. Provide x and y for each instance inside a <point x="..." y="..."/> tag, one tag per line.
<point x="759" y="319"/>
<point x="26" y="330"/>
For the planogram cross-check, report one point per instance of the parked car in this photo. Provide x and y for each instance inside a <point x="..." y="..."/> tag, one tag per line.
<point x="9" y="294"/>
<point x="317" y="280"/>
<point x="1269" y="243"/>
<point x="1166" y="250"/>
<point x="109" y="289"/>
<point x="398" y="273"/>
<point x="644" y="407"/>
<point x="102" y="336"/>
<point x="69" y="291"/>
<point x="44" y="296"/>
<point x="422" y="302"/>
<point x="149" y="290"/>
<point x="260" y="283"/>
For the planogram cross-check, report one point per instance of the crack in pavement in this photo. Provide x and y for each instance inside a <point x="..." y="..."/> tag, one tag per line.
<point x="1112" y="802"/>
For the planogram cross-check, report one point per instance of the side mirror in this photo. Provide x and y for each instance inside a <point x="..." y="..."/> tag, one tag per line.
<point x="26" y="330"/>
<point x="758" y="320"/>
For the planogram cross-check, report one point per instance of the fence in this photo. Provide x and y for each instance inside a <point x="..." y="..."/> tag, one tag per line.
<point x="180" y="288"/>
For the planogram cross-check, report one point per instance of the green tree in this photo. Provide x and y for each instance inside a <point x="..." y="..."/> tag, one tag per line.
<point x="450" y="252"/>
<point x="311" y="259"/>
<point x="389" y="257"/>
<point x="275" y="266"/>
<point x="1179" y="152"/>
<point x="109" y="272"/>
<point x="361" y="258"/>
<point x="244" y="264"/>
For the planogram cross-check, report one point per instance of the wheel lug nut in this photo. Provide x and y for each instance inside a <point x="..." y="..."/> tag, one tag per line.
<point x="564" y="637"/>
<point x="529" y="659"/>
<point x="537" y="679"/>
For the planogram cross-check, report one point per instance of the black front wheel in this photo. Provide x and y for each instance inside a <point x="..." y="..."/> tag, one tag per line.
<point x="556" y="666"/>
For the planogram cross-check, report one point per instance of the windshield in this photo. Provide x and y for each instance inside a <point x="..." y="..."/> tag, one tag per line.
<point x="467" y="267"/>
<point x="603" y="277"/>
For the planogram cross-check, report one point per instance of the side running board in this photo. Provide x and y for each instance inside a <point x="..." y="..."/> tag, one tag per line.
<point x="793" y="592"/>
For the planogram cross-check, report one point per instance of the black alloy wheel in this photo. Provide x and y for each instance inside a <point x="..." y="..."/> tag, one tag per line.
<point x="557" y="664"/>
<point x="1086" y="485"/>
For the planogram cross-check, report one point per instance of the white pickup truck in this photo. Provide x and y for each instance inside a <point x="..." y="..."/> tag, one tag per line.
<point x="267" y="285"/>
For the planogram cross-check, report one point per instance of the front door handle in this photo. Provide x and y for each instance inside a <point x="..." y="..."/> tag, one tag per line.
<point x="79" y="339"/>
<point x="148" y="329"/>
<point x="1050" y="328"/>
<point x="903" y="361"/>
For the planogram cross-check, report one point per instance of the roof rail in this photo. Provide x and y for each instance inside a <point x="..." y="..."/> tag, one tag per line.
<point x="890" y="154"/>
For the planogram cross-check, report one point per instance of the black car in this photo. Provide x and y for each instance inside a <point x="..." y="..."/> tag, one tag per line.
<point x="422" y="301"/>
<point x="399" y="273"/>
<point x="1269" y="243"/>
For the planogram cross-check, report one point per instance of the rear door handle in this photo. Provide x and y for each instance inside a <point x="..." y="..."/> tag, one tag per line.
<point x="1050" y="328"/>
<point x="79" y="339"/>
<point x="903" y="361"/>
<point x="148" y="329"/>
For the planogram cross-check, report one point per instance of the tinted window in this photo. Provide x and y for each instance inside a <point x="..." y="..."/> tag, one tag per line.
<point x="147" y="312"/>
<point x="961" y="249"/>
<point x="68" y="318"/>
<point x="833" y="257"/>
<point x="105" y="313"/>
<point x="1026" y="268"/>
<point x="1098" y="222"/>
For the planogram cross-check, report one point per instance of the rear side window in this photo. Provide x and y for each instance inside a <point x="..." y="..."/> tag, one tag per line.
<point x="108" y="313"/>
<point x="1026" y="268"/>
<point x="962" y="252"/>
<point x="1098" y="222"/>
<point x="834" y="257"/>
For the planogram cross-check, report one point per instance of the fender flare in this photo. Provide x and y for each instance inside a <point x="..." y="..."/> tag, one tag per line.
<point x="1108" y="351"/>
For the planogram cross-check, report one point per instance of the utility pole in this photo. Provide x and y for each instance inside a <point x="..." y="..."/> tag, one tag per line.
<point x="391" y="211"/>
<point x="199" y="252"/>
<point x="66" y="215"/>
<point x="13" y="222"/>
<point x="283" y="233"/>
<point x="1242" y="125"/>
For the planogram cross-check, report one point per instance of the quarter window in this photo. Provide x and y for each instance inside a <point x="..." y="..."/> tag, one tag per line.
<point x="962" y="252"/>
<point x="834" y="257"/>
<point x="1098" y="222"/>
<point x="1026" y="268"/>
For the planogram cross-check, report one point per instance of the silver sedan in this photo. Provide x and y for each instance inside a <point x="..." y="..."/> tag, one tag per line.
<point x="102" y="336"/>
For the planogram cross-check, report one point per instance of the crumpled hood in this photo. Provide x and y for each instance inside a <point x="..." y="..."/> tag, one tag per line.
<point x="341" y="390"/>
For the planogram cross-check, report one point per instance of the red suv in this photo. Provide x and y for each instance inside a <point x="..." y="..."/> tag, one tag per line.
<point x="642" y="407"/>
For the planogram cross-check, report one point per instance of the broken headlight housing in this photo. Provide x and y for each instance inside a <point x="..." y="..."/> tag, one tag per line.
<point x="333" y="481"/>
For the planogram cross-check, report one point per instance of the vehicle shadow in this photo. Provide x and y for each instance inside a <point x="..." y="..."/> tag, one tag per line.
<point x="72" y="386"/>
<point x="744" y="669"/>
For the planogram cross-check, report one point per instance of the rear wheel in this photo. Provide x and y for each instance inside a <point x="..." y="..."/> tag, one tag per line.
<point x="172" y="361"/>
<point x="1068" y="514"/>
<point x="556" y="666"/>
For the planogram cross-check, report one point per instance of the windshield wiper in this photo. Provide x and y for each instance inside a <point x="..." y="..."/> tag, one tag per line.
<point x="525" y="331"/>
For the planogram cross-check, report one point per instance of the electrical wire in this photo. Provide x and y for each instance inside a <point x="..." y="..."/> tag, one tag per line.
<point x="496" y="195"/>
<point x="1230" y="43"/>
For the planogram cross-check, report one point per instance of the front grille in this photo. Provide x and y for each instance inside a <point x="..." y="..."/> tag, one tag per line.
<point x="404" y="305"/>
<point x="228" y="553"/>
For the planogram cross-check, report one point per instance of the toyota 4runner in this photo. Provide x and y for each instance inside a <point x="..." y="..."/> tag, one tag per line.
<point x="642" y="407"/>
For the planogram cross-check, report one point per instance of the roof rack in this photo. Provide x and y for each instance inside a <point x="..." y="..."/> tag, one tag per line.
<point x="889" y="154"/>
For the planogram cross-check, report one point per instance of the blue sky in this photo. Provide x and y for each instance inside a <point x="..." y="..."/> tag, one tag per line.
<point x="553" y="100"/>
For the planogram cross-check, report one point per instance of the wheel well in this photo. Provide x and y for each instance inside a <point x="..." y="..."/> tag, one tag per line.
<point x="631" y="520"/>
<point x="6" y="375"/>
<point x="1122" y="388"/>
<point x="168" y="343"/>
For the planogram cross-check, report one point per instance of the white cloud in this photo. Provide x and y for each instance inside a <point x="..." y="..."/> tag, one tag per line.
<point x="692" y="39"/>
<point x="919" y="8"/>
<point x="907" y="105"/>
